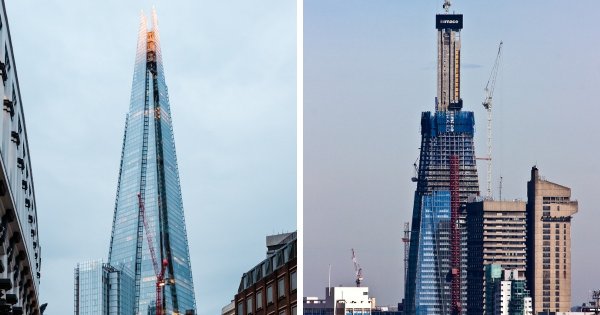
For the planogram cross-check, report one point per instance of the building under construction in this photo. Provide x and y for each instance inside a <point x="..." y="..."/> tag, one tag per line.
<point x="436" y="277"/>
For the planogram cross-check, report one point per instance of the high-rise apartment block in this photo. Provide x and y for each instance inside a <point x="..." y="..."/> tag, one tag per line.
<point x="20" y="251"/>
<point x="549" y="213"/>
<point x="101" y="289"/>
<point x="507" y="293"/>
<point x="149" y="170"/>
<point x="496" y="234"/>
<point x="446" y="135"/>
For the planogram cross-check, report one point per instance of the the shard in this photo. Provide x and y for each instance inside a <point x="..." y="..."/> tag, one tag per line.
<point x="446" y="136"/>
<point x="149" y="168"/>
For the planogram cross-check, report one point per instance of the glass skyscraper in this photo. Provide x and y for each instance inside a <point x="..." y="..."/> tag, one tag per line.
<point x="446" y="133"/>
<point x="149" y="168"/>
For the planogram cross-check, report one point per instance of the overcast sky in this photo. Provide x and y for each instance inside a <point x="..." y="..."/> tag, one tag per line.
<point x="231" y="71"/>
<point x="369" y="71"/>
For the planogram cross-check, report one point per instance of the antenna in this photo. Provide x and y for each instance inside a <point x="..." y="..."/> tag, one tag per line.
<point x="329" y="281"/>
<point x="500" y="188"/>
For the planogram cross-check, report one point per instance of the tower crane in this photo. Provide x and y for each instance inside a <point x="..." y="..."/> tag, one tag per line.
<point x="487" y="104"/>
<point x="357" y="269"/>
<point x="158" y="271"/>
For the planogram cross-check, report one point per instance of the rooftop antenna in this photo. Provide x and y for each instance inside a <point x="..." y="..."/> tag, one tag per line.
<point x="446" y="5"/>
<point x="329" y="281"/>
<point x="500" y="188"/>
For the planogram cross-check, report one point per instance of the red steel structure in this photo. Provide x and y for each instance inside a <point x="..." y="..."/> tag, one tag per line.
<point x="158" y="271"/>
<point x="455" y="235"/>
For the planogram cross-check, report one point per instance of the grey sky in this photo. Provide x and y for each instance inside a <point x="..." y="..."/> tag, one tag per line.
<point x="231" y="71"/>
<point x="369" y="71"/>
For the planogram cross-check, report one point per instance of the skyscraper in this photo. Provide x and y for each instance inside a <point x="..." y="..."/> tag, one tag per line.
<point x="549" y="213"/>
<point x="149" y="168"/>
<point x="446" y="134"/>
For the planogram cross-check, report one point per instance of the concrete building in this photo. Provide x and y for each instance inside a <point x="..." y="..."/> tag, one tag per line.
<point x="549" y="213"/>
<point x="101" y="289"/>
<point x="20" y="250"/>
<point x="496" y="234"/>
<point x="510" y="295"/>
<point x="341" y="301"/>
<point x="270" y="287"/>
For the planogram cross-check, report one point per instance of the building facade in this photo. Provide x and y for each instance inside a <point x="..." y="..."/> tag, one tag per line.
<point x="549" y="213"/>
<point x="20" y="250"/>
<point x="149" y="168"/>
<point x="101" y="289"/>
<point x="341" y="301"/>
<point x="271" y="286"/>
<point x="445" y="134"/>
<point x="496" y="234"/>
<point x="507" y="292"/>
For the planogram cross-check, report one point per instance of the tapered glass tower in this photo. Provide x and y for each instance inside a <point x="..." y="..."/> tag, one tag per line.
<point x="149" y="168"/>
<point x="436" y="278"/>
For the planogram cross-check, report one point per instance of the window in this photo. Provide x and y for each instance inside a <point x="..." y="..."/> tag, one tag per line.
<point x="259" y="299"/>
<point x="6" y="59"/>
<point x="282" y="312"/>
<point x="293" y="281"/>
<point x="281" y="287"/>
<point x="294" y="312"/>
<point x="240" y="308"/>
<point x="269" y="294"/>
<point x="249" y="305"/>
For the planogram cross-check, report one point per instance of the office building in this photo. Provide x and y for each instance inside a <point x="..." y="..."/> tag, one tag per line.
<point x="271" y="286"/>
<point x="446" y="134"/>
<point x="495" y="235"/>
<point x="20" y="250"/>
<point x="149" y="170"/>
<point x="101" y="289"/>
<point x="549" y="213"/>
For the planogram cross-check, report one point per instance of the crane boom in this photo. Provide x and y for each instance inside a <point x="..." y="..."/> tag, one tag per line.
<point x="158" y="271"/>
<point x="357" y="269"/>
<point x="487" y="104"/>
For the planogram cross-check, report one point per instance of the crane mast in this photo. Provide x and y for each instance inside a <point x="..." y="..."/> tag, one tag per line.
<point x="357" y="269"/>
<point x="487" y="104"/>
<point x="158" y="271"/>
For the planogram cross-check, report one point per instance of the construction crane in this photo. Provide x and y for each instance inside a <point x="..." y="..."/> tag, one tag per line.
<point x="406" y="241"/>
<point x="455" y="249"/>
<point x="446" y="5"/>
<point x="357" y="269"/>
<point x="415" y="178"/>
<point x="158" y="271"/>
<point x="487" y="104"/>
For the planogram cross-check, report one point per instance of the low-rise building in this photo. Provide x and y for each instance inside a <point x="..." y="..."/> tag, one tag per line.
<point x="270" y="287"/>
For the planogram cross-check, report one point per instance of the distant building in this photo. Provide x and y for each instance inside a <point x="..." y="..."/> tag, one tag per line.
<point x="341" y="301"/>
<point x="549" y="213"/>
<point x="496" y="234"/>
<point x="20" y="250"/>
<point x="270" y="287"/>
<point x="508" y="294"/>
<point x="228" y="309"/>
<point x="101" y="289"/>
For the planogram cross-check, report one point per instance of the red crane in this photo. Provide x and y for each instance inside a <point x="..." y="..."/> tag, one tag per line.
<point x="158" y="271"/>
<point x="454" y="236"/>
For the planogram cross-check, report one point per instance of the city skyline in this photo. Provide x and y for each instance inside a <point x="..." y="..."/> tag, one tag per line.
<point x="364" y="92"/>
<point x="232" y="85"/>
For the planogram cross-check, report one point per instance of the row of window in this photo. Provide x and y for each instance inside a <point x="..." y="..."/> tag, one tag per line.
<point x="270" y="294"/>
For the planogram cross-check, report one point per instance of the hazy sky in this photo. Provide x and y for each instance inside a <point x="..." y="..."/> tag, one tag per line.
<point x="231" y="71"/>
<point x="369" y="71"/>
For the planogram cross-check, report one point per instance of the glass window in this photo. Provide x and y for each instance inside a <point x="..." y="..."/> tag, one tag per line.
<point x="249" y="305"/>
<point x="240" y="309"/>
<point x="269" y="294"/>
<point x="293" y="281"/>
<point x="281" y="287"/>
<point x="259" y="299"/>
<point x="282" y="312"/>
<point x="294" y="312"/>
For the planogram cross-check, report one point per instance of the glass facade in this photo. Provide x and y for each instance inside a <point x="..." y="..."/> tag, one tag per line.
<point x="101" y="289"/>
<point x="149" y="168"/>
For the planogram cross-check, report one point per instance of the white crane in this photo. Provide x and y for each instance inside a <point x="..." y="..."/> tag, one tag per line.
<point x="357" y="269"/>
<point x="487" y="104"/>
